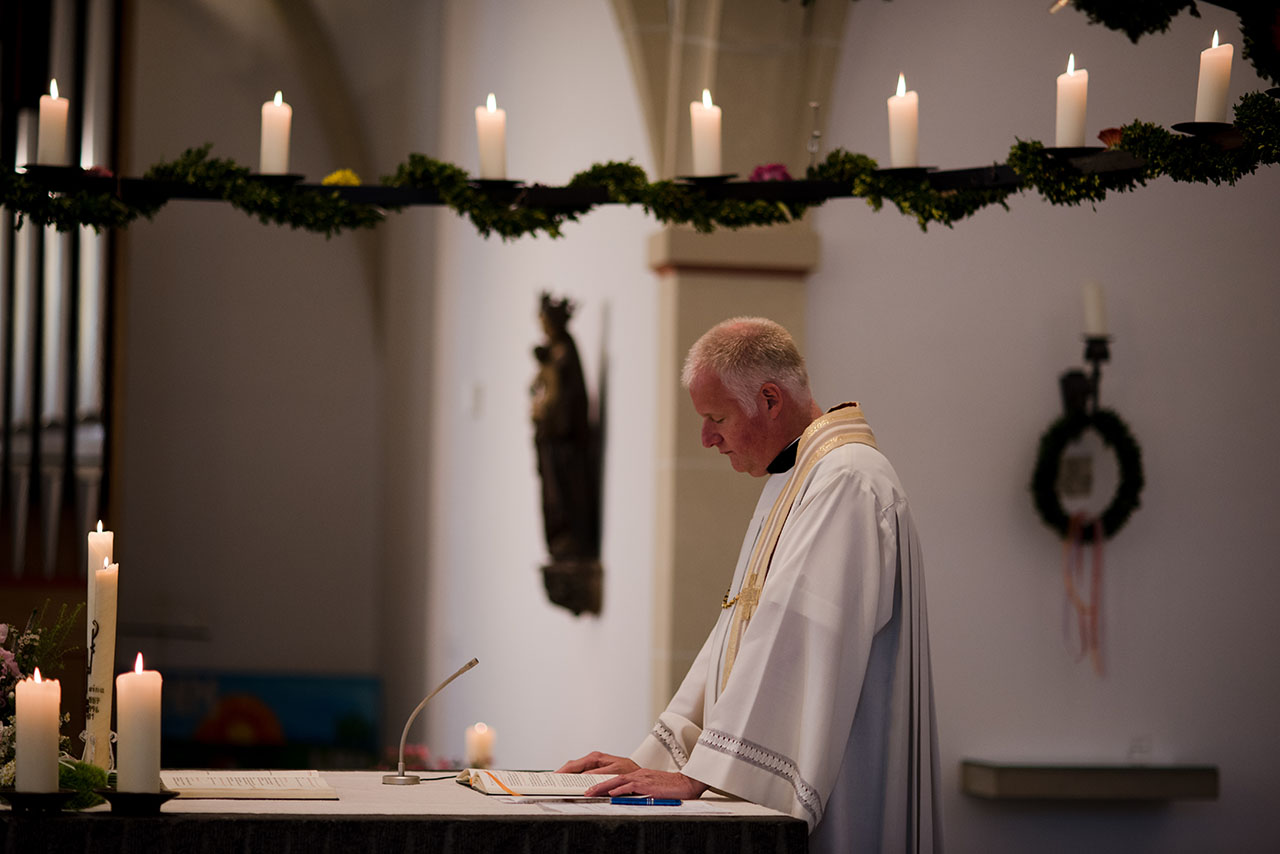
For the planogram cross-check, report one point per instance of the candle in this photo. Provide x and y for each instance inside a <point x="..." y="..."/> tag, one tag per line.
<point x="479" y="743"/>
<point x="35" y="746"/>
<point x="1095" y="311"/>
<point x="101" y="656"/>
<point x="1073" y="96"/>
<point x="138" y="730"/>
<point x="704" y="118"/>
<point x="904" y="122"/>
<point x="101" y="544"/>
<point x="51" y="145"/>
<point x="273" y="154"/>
<point x="491" y="135"/>
<point x="1215" y="78"/>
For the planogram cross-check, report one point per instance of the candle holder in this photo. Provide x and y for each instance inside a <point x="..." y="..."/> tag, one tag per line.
<point x="136" y="803"/>
<point x="36" y="802"/>
<point x="707" y="180"/>
<point x="1203" y="128"/>
<point x="277" y="179"/>
<point x="1080" y="391"/>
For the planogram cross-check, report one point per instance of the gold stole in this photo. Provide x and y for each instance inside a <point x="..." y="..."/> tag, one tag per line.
<point x="840" y="425"/>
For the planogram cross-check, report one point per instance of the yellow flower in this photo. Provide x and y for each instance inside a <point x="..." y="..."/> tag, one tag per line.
<point x="341" y="178"/>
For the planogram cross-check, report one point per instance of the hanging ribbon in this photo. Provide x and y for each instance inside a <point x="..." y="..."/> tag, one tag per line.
<point x="1073" y="576"/>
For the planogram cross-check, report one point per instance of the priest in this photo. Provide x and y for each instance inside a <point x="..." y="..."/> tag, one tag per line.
<point x="813" y="693"/>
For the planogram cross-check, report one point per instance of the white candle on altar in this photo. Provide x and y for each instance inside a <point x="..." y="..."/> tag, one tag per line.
<point x="704" y="121"/>
<point x="1095" y="311"/>
<point x="273" y="153"/>
<point x="101" y="545"/>
<point x="491" y="136"/>
<point x="101" y="653"/>
<point x="479" y="745"/>
<point x="51" y="141"/>
<point x="1073" y="98"/>
<point x="904" y="123"/>
<point x="38" y="703"/>
<point x="1215" y="79"/>
<point x="138" y="730"/>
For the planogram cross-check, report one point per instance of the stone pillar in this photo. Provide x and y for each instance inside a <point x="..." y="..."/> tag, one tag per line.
<point x="703" y="504"/>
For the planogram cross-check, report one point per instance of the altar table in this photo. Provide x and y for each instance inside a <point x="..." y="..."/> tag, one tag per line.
<point x="438" y="815"/>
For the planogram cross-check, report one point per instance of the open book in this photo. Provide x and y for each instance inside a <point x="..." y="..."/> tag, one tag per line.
<point x="492" y="782"/>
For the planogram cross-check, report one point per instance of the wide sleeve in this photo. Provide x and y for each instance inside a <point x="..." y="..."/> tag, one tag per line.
<point x="668" y="744"/>
<point x="777" y="733"/>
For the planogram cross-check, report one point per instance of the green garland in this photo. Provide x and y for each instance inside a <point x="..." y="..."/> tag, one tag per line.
<point x="1044" y="480"/>
<point x="1253" y="141"/>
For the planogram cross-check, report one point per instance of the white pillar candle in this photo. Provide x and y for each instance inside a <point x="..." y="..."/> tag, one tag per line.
<point x="273" y="154"/>
<point x="1095" y="311"/>
<point x="138" y="730"/>
<point x="51" y="144"/>
<point x="101" y="660"/>
<point x="1215" y="79"/>
<point x="491" y="136"/>
<point x="1073" y="98"/>
<point x="101" y="545"/>
<point x="479" y="745"/>
<point x="904" y="121"/>
<point x="704" y="123"/>
<point x="38" y="703"/>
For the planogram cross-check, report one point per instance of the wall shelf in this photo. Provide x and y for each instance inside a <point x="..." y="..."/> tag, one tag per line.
<point x="1087" y="782"/>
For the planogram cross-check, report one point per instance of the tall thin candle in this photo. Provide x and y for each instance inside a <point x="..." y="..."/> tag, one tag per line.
<point x="704" y="124"/>
<point x="51" y="141"/>
<point x="1214" y="82"/>
<point x="273" y="152"/>
<point x="1073" y="99"/>
<point x="491" y="136"/>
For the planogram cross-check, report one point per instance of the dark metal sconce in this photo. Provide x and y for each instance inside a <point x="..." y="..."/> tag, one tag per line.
<point x="1080" y="391"/>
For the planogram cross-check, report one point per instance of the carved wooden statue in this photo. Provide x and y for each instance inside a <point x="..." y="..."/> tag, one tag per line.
<point x="568" y="453"/>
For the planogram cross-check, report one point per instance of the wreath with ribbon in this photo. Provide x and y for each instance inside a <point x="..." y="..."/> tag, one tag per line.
<point x="1044" y="481"/>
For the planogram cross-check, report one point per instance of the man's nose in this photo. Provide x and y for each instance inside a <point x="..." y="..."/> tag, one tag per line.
<point x="710" y="438"/>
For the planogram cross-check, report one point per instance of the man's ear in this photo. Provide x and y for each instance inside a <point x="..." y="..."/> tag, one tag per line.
<point x="772" y="399"/>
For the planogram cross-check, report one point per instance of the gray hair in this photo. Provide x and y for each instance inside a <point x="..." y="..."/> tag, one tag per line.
<point x="745" y="353"/>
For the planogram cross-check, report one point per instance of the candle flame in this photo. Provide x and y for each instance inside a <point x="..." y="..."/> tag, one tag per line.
<point x="137" y="664"/>
<point x="279" y="97"/>
<point x="706" y="98"/>
<point x="1071" y="64"/>
<point x="481" y="727"/>
<point x="902" y="85"/>
<point x="106" y="562"/>
<point x="1215" y="44"/>
<point x="53" y="84"/>
<point x="491" y="103"/>
<point x="36" y="675"/>
<point x="99" y="526"/>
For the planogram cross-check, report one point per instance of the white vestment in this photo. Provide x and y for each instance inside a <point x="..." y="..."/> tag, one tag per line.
<point x="828" y="711"/>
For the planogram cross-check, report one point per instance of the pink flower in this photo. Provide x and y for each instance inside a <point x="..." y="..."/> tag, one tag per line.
<point x="1110" y="137"/>
<point x="8" y="665"/>
<point x="770" y="172"/>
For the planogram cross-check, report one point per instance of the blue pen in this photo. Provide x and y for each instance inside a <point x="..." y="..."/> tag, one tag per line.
<point x="646" y="802"/>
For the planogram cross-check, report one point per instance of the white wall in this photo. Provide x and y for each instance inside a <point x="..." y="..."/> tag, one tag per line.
<point x="553" y="685"/>
<point x="953" y="341"/>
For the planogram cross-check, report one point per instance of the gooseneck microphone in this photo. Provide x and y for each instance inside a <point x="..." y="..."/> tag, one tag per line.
<point x="400" y="778"/>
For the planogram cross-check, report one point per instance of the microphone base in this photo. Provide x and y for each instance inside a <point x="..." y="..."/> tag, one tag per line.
<point x="401" y="779"/>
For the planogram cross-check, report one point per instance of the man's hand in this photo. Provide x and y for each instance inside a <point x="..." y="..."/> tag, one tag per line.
<point x="645" y="781"/>
<point x="596" y="762"/>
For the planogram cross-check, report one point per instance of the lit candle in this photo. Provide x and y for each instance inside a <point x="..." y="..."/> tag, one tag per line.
<point x="1095" y="311"/>
<point x="704" y="118"/>
<point x="1073" y="97"/>
<point x="273" y="154"/>
<point x="904" y="122"/>
<point x="51" y="144"/>
<point x="479" y="743"/>
<point x="101" y="656"/>
<point x="138" y="730"/>
<point x="101" y="544"/>
<point x="35" y="746"/>
<point x="1215" y="79"/>
<point x="491" y="135"/>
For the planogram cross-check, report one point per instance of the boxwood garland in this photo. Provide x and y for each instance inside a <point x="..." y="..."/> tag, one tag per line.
<point x="324" y="210"/>
<point x="1044" y="481"/>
